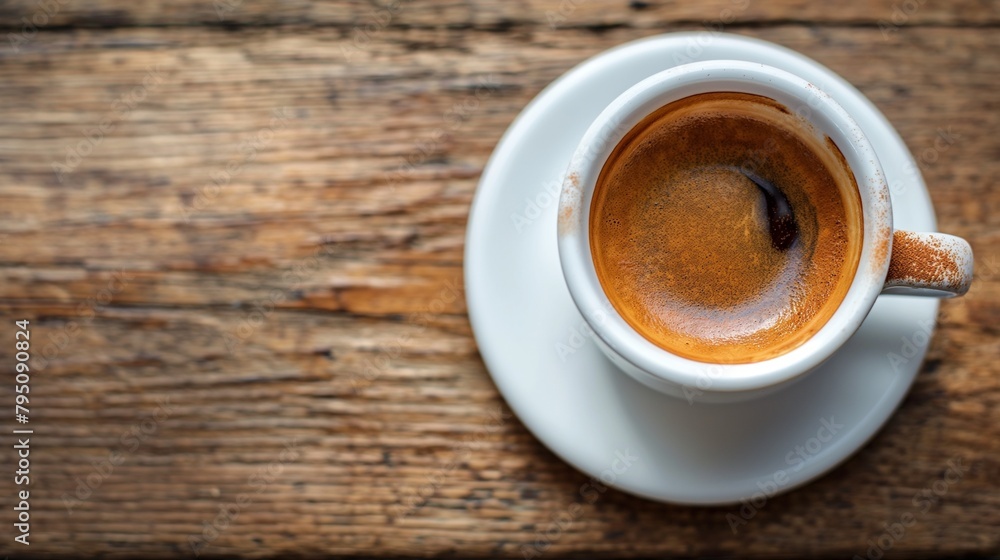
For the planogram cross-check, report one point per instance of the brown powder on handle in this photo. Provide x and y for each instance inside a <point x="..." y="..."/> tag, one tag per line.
<point x="922" y="261"/>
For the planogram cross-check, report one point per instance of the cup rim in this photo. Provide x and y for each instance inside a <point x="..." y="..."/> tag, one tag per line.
<point x="812" y="104"/>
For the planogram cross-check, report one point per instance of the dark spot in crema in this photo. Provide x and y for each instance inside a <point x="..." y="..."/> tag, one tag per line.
<point x="780" y="217"/>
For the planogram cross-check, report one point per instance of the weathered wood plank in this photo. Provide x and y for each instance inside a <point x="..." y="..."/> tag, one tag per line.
<point x="367" y="17"/>
<point x="364" y="358"/>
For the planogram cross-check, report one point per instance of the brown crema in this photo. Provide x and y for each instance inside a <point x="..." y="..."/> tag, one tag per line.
<point x="725" y="229"/>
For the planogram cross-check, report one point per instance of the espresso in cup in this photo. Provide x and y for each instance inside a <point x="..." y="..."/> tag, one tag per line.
<point x="725" y="229"/>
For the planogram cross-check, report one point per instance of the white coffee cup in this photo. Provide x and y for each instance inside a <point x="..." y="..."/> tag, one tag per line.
<point x="677" y="375"/>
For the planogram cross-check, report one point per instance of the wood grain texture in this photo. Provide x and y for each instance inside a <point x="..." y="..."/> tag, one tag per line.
<point x="296" y="333"/>
<point x="463" y="14"/>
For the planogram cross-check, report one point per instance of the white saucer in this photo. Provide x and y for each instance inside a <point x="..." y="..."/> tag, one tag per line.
<point x="584" y="409"/>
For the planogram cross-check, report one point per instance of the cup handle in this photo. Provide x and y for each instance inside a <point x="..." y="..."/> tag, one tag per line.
<point x="928" y="264"/>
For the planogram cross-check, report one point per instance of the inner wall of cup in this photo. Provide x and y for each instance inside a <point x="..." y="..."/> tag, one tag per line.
<point x="811" y="105"/>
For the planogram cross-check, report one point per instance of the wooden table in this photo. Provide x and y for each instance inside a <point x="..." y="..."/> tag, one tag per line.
<point x="276" y="360"/>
